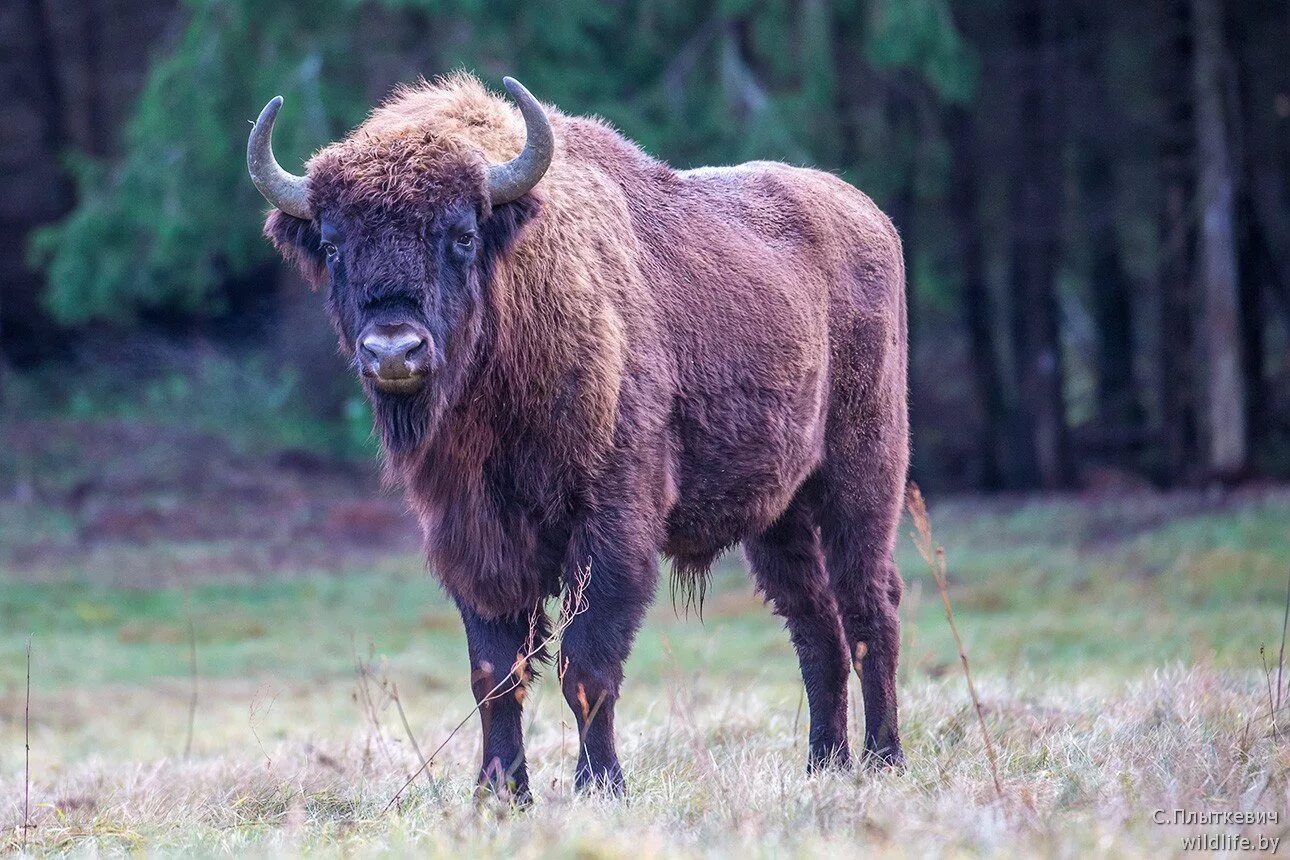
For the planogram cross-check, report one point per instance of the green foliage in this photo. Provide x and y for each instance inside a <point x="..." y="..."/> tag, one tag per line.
<point x="166" y="226"/>
<point x="175" y="218"/>
<point x="250" y="402"/>
<point x="920" y="35"/>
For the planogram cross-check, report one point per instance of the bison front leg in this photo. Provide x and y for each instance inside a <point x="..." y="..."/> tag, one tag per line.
<point x="610" y="585"/>
<point x="502" y="653"/>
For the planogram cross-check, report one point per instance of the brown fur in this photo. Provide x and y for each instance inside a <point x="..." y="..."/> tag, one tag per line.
<point x="664" y="360"/>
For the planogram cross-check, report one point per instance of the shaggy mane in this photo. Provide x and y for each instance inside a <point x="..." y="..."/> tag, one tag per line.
<point x="423" y="143"/>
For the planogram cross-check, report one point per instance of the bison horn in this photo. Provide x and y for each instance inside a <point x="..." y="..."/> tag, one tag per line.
<point x="288" y="192"/>
<point x="514" y="179"/>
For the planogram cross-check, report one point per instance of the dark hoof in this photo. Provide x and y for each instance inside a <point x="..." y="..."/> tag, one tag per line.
<point x="510" y="795"/>
<point x="510" y="789"/>
<point x="830" y="758"/>
<point x="889" y="758"/>
<point x="608" y="781"/>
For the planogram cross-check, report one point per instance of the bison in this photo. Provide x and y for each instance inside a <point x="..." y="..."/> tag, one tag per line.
<point x="579" y="358"/>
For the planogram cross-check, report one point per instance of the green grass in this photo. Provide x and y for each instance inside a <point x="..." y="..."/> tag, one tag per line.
<point x="1029" y="586"/>
<point x="1116" y="644"/>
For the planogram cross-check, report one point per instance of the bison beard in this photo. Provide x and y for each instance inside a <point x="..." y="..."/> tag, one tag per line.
<point x="635" y="360"/>
<point x="402" y="420"/>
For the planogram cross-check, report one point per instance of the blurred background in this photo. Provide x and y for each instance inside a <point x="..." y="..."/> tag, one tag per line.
<point x="1094" y="198"/>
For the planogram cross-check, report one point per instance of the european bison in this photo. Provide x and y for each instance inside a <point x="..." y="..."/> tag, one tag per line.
<point x="580" y="357"/>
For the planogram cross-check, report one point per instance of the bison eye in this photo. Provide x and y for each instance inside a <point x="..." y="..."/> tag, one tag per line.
<point x="466" y="240"/>
<point x="330" y="250"/>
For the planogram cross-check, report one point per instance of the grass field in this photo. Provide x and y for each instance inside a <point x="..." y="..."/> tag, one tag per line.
<point x="1116" y="644"/>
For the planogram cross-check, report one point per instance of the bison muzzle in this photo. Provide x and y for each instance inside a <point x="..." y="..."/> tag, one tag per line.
<point x="580" y="358"/>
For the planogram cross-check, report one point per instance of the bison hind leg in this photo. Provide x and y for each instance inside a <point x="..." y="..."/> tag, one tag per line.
<point x="858" y="522"/>
<point x="788" y="565"/>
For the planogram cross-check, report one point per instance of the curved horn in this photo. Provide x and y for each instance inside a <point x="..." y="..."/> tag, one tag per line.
<point x="514" y="179"/>
<point x="288" y="192"/>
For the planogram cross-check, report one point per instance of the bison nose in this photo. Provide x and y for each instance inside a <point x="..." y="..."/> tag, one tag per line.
<point x="393" y="351"/>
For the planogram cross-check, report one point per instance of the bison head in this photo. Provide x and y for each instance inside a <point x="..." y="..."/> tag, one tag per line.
<point x="404" y="220"/>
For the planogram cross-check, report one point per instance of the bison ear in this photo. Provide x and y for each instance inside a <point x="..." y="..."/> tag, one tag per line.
<point x="298" y="241"/>
<point x="503" y="227"/>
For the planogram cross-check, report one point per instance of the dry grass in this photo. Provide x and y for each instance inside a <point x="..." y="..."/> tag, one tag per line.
<point x="711" y="773"/>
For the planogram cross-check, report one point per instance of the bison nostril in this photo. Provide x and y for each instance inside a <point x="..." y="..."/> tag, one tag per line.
<point x="393" y="351"/>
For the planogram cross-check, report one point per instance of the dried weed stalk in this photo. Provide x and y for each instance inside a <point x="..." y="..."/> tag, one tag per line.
<point x="26" y="771"/>
<point x="1281" y="656"/>
<point x="935" y="558"/>
<point x="192" y="671"/>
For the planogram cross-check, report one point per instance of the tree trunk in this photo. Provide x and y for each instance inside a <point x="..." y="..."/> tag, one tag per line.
<point x="33" y="186"/>
<point x="1256" y="271"/>
<point x="1096" y="124"/>
<point x="1036" y="207"/>
<point x="1225" y="430"/>
<point x="1260" y="160"/>
<point x="986" y="379"/>
<point x="1175" y="291"/>
<point x="1117" y="406"/>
